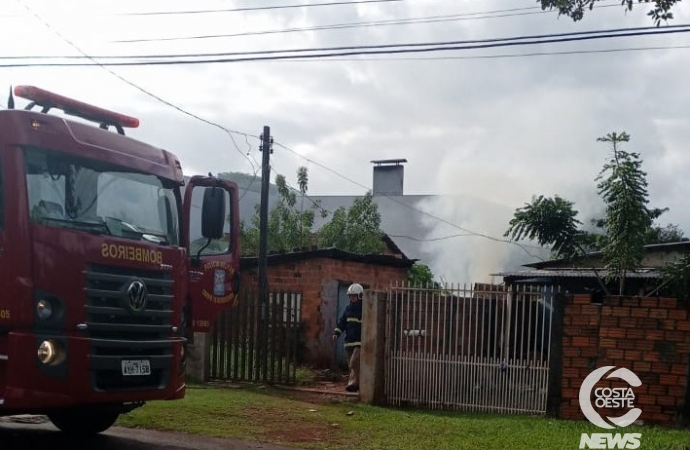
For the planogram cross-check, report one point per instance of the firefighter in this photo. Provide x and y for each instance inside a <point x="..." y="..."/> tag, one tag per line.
<point x="350" y="323"/>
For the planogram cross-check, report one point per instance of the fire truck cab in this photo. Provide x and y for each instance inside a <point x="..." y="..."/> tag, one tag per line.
<point x="108" y="261"/>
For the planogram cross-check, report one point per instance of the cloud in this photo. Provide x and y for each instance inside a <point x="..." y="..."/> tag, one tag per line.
<point x="499" y="130"/>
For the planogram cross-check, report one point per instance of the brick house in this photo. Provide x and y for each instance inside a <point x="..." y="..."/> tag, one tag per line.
<point x="578" y="276"/>
<point x="648" y="335"/>
<point x="322" y="276"/>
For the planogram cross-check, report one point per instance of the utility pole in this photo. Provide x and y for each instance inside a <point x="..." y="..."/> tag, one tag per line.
<point x="266" y="148"/>
<point x="262" y="350"/>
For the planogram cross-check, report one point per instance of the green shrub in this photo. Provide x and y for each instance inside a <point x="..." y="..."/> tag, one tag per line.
<point x="304" y="375"/>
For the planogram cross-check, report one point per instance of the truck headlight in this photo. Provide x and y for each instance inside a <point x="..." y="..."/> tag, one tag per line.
<point x="48" y="352"/>
<point x="44" y="309"/>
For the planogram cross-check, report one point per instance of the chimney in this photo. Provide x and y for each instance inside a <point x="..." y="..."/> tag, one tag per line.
<point x="389" y="175"/>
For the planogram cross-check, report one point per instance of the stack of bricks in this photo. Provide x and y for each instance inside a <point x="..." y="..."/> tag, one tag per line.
<point x="650" y="336"/>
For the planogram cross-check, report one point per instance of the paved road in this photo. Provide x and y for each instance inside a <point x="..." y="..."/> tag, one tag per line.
<point x="22" y="436"/>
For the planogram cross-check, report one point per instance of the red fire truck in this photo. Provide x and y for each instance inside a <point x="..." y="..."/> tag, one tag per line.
<point x="108" y="261"/>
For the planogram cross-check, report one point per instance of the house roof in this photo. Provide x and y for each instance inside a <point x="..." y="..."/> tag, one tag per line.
<point x="683" y="246"/>
<point x="332" y="253"/>
<point x="574" y="273"/>
<point x="392" y="246"/>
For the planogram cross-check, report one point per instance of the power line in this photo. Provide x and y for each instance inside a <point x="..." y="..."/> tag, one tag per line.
<point x="475" y="43"/>
<point x="320" y="208"/>
<point x="515" y="55"/>
<point x="269" y="55"/>
<point x="276" y="143"/>
<point x="247" y="135"/>
<point x="502" y="13"/>
<point x="366" y="24"/>
<point x="430" y="239"/>
<point x="130" y="83"/>
<point x="553" y="37"/>
<point x="396" y="200"/>
<point x="258" y="8"/>
<point x="501" y="56"/>
<point x="496" y="14"/>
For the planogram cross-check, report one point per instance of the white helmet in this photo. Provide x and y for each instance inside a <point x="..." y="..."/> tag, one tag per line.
<point x="355" y="289"/>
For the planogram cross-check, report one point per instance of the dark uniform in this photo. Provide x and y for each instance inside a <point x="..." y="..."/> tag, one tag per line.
<point x="350" y="323"/>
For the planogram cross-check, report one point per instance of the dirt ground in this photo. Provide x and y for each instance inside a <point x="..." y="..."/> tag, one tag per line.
<point x="327" y="387"/>
<point x="294" y="430"/>
<point x="291" y="431"/>
<point x="326" y="390"/>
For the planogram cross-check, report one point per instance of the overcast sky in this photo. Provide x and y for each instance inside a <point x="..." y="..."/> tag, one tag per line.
<point x="496" y="129"/>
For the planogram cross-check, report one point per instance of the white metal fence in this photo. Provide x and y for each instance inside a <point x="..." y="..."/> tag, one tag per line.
<point x="482" y="349"/>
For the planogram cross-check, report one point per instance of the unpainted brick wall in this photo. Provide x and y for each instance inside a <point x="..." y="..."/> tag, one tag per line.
<point x="650" y="336"/>
<point x="314" y="277"/>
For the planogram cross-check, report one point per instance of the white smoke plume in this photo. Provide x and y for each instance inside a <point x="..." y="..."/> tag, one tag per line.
<point x="482" y="200"/>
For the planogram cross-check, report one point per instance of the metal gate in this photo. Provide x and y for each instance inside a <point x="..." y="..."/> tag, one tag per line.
<point x="255" y="342"/>
<point x="486" y="349"/>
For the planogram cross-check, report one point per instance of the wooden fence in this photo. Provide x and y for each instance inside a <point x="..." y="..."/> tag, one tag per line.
<point x="258" y="342"/>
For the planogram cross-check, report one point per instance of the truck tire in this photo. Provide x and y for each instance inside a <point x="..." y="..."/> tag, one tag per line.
<point x="83" y="424"/>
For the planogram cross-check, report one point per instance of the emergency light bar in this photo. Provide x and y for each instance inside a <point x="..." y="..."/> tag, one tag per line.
<point x="48" y="100"/>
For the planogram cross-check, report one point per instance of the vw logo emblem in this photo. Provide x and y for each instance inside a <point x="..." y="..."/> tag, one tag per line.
<point x="136" y="295"/>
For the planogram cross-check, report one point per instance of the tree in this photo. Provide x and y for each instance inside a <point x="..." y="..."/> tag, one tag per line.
<point x="249" y="237"/>
<point x="575" y="9"/>
<point x="302" y="181"/>
<point x="288" y="226"/>
<point x="676" y="277"/>
<point x="655" y="234"/>
<point x="357" y="229"/>
<point x="663" y="235"/>
<point x="623" y="187"/>
<point x="627" y="225"/>
<point x="549" y="221"/>
<point x="421" y="275"/>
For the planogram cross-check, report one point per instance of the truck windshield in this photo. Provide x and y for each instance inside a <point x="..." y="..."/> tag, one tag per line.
<point x="96" y="197"/>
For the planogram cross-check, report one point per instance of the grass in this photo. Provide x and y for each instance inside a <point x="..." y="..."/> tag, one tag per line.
<point x="288" y="418"/>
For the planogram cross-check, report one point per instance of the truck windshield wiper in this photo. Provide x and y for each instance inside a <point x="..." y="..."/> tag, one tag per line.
<point x="118" y="227"/>
<point x="84" y="225"/>
<point x="155" y="238"/>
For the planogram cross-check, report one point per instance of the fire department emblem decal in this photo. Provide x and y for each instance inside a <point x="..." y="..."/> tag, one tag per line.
<point x="137" y="294"/>
<point x="219" y="282"/>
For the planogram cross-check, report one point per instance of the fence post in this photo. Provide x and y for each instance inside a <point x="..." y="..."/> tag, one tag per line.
<point x="683" y="419"/>
<point x="372" y="363"/>
<point x="553" y="401"/>
<point x="198" y="360"/>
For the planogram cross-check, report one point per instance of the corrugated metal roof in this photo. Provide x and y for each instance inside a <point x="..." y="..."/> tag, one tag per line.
<point x="333" y="253"/>
<point x="575" y="273"/>
<point x="667" y="246"/>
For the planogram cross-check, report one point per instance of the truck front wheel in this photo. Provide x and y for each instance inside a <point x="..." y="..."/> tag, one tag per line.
<point x="83" y="423"/>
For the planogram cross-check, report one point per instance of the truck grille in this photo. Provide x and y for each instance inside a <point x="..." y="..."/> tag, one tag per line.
<point x="120" y="331"/>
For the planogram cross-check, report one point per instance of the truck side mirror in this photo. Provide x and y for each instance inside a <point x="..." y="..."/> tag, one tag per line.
<point x="213" y="213"/>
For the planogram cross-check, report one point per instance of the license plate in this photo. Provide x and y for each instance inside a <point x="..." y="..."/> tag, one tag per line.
<point x="136" y="367"/>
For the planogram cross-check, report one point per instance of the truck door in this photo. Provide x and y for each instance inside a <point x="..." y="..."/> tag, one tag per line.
<point x="5" y="309"/>
<point x="214" y="257"/>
